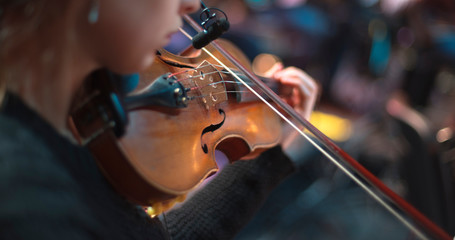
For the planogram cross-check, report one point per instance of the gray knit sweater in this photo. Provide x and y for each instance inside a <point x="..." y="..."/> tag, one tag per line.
<point x="53" y="189"/>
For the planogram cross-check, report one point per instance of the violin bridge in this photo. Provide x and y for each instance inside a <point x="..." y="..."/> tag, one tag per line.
<point x="209" y="82"/>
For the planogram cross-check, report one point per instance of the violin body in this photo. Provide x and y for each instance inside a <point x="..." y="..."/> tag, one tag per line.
<point x="166" y="152"/>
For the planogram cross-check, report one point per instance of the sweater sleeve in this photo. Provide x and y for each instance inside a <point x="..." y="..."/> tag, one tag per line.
<point x="229" y="201"/>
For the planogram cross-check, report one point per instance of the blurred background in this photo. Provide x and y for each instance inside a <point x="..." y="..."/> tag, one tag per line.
<point x="387" y="74"/>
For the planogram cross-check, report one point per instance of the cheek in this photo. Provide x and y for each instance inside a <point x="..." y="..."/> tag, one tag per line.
<point x="127" y="40"/>
<point x="127" y="52"/>
<point x="136" y="49"/>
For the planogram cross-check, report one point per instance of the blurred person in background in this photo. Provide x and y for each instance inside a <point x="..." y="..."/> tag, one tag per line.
<point x="386" y="67"/>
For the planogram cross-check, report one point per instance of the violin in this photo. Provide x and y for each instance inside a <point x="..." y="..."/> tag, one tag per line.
<point x="187" y="106"/>
<point x="168" y="147"/>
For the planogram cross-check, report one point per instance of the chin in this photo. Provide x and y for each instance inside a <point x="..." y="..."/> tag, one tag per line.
<point x="148" y="60"/>
<point x="129" y="67"/>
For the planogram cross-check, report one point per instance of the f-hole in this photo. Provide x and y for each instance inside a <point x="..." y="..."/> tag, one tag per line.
<point x="212" y="128"/>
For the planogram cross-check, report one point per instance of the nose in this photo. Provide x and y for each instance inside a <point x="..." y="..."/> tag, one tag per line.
<point x="189" y="6"/>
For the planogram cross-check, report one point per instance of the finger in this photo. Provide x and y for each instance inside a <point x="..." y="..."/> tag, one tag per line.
<point x="277" y="67"/>
<point x="306" y="85"/>
<point x="304" y="91"/>
<point x="294" y="76"/>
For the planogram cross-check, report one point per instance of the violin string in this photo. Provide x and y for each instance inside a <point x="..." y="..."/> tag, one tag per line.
<point x="218" y="93"/>
<point x="216" y="83"/>
<point x="187" y="70"/>
<point x="210" y="84"/>
<point x="178" y="73"/>
<point x="204" y="74"/>
<point x="323" y="151"/>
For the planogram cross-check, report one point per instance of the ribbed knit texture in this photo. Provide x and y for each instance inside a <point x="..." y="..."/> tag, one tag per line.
<point x="223" y="206"/>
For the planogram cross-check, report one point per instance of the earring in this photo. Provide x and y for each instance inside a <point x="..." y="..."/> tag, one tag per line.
<point x="93" y="14"/>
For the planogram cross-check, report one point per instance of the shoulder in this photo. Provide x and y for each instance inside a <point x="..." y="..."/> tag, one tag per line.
<point x="16" y="138"/>
<point x="25" y="160"/>
<point x="21" y="149"/>
<point x="28" y="166"/>
<point x="36" y="191"/>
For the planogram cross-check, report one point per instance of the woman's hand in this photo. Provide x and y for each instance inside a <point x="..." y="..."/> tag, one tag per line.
<point x="302" y="97"/>
<point x="304" y="89"/>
